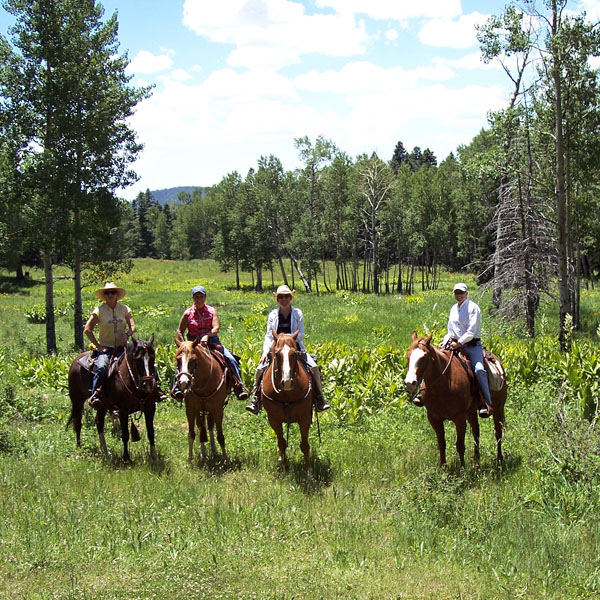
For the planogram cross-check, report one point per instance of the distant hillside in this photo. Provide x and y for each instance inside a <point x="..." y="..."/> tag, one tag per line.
<point x="170" y="194"/>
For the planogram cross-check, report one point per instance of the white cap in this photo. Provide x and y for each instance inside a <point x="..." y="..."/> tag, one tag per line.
<point x="460" y="287"/>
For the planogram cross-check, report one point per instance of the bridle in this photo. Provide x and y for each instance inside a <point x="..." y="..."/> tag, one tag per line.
<point x="275" y="372"/>
<point x="140" y="383"/>
<point x="427" y="350"/>
<point x="192" y="376"/>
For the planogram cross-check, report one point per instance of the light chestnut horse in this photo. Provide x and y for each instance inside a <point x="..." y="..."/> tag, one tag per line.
<point x="287" y="395"/>
<point x="203" y="382"/>
<point x="448" y="394"/>
<point x="130" y="387"/>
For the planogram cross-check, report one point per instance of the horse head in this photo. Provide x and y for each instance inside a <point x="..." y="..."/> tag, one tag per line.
<point x="141" y="354"/>
<point x="187" y="362"/>
<point x="417" y="356"/>
<point x="284" y="355"/>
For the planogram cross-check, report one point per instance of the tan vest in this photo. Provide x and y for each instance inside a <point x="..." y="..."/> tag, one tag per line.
<point x="112" y="324"/>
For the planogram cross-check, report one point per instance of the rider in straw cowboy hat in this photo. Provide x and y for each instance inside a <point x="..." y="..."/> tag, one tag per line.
<point x="115" y="325"/>
<point x="285" y="319"/>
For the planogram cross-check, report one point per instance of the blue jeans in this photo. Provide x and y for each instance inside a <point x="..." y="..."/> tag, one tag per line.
<point x="102" y="368"/>
<point x="475" y="354"/>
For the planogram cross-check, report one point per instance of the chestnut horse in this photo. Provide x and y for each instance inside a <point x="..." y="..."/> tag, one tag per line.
<point x="129" y="388"/>
<point x="286" y="393"/>
<point x="203" y="382"/>
<point x="449" y="394"/>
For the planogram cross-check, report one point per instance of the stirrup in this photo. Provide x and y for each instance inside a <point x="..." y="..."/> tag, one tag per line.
<point x="241" y="392"/>
<point x="485" y="412"/>
<point x="95" y="401"/>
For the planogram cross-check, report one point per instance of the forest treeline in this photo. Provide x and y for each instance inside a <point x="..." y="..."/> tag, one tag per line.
<point x="518" y="205"/>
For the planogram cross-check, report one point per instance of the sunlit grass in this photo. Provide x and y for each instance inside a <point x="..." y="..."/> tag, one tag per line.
<point x="380" y="520"/>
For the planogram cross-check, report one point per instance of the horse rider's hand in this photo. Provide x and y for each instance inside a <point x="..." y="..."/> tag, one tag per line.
<point x="455" y="345"/>
<point x="204" y="340"/>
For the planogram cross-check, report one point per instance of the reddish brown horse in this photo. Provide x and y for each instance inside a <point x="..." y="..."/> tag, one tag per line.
<point x="287" y="395"/>
<point x="203" y="382"/>
<point x="129" y="388"/>
<point x="448" y="394"/>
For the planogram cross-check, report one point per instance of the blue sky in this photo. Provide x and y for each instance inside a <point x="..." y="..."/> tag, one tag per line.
<point x="237" y="79"/>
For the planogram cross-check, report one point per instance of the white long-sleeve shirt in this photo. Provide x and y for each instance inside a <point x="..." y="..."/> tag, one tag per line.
<point x="297" y="322"/>
<point x="464" y="322"/>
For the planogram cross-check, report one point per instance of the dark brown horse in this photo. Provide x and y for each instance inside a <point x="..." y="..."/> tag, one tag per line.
<point x="129" y="388"/>
<point x="287" y="395"/>
<point x="203" y="382"/>
<point x="449" y="394"/>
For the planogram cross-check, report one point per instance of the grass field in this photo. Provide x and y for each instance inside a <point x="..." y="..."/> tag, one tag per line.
<point x="380" y="519"/>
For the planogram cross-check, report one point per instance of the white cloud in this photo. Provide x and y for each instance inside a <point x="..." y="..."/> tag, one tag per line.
<point x="468" y="62"/>
<point x="273" y="33"/>
<point x="592" y="9"/>
<point x="180" y="75"/>
<point x="391" y="35"/>
<point x="146" y="62"/>
<point x="400" y="10"/>
<point x="448" y="33"/>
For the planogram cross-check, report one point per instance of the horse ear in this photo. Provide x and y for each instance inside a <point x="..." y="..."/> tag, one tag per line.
<point x="151" y="340"/>
<point x="414" y="336"/>
<point x="295" y="334"/>
<point x="178" y="342"/>
<point x="428" y="338"/>
<point x="275" y="334"/>
<point x="196" y="341"/>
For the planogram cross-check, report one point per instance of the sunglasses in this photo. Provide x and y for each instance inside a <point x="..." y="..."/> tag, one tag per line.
<point x="110" y="293"/>
<point x="284" y="296"/>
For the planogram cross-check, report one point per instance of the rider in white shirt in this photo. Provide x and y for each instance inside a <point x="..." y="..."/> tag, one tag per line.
<point x="464" y="333"/>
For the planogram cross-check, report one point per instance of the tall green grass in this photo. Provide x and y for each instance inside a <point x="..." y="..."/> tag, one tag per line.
<point x="380" y="520"/>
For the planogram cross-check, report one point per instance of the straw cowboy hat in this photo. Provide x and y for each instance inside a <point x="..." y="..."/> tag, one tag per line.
<point x="283" y="289"/>
<point x="110" y="286"/>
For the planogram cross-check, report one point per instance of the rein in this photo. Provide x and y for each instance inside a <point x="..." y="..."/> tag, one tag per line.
<point x="137" y="392"/>
<point x="277" y="391"/>
<point x="452" y="352"/>
<point x="198" y="392"/>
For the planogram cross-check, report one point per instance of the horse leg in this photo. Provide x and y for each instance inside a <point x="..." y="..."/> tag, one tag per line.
<point x="149" y="418"/>
<point x="304" y="446"/>
<point x="201" y="422"/>
<point x="438" y="427"/>
<point x="218" y="421"/>
<point x="100" y="414"/>
<point x="210" y="424"/>
<point x="461" y="427"/>
<point x="191" y="418"/>
<point x="498" y="415"/>
<point x="474" y="423"/>
<point x="123" y="419"/>
<point x="277" y="427"/>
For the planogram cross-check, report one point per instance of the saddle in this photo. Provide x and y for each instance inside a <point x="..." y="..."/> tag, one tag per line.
<point x="88" y="362"/>
<point x="495" y="371"/>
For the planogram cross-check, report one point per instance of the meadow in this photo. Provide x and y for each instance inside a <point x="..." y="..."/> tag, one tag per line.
<point x="379" y="520"/>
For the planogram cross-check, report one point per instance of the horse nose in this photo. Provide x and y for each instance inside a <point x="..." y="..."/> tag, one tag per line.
<point x="410" y="384"/>
<point x="287" y="384"/>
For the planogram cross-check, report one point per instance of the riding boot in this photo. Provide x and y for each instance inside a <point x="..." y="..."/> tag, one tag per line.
<point x="255" y="404"/>
<point x="95" y="399"/>
<point x="238" y="387"/>
<point x="320" y="404"/>
<point x="176" y="393"/>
